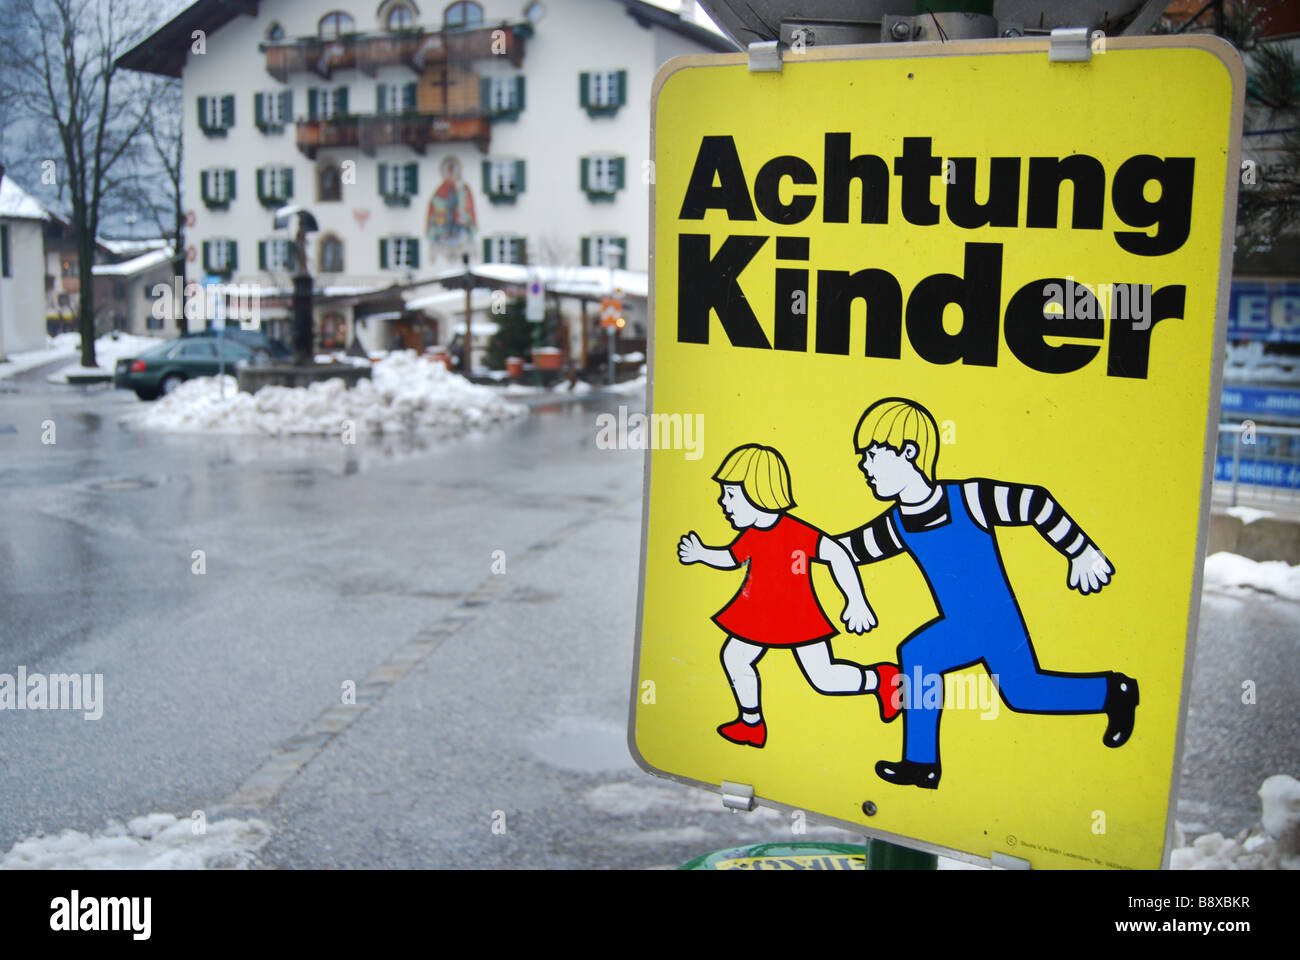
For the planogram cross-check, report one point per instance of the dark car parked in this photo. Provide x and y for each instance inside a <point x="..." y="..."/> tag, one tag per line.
<point x="162" y="368"/>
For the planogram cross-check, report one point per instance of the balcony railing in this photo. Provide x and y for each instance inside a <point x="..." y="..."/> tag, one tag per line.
<point x="416" y="131"/>
<point x="417" y="49"/>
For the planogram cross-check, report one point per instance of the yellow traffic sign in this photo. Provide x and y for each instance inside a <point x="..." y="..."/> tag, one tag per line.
<point x="947" y="322"/>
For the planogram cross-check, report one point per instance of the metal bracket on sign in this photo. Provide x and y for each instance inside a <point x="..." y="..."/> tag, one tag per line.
<point x="1007" y="862"/>
<point x="1070" y="45"/>
<point x="737" y="796"/>
<point x="765" y="56"/>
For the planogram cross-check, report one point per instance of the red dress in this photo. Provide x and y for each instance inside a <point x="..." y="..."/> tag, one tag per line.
<point x="776" y="605"/>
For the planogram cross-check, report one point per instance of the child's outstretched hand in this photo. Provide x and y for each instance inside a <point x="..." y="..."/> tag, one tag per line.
<point x="690" y="549"/>
<point x="858" y="617"/>
<point x="1090" y="570"/>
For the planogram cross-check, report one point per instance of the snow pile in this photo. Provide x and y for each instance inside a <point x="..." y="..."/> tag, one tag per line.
<point x="109" y="348"/>
<point x="1274" y="844"/>
<point x="406" y="394"/>
<point x="575" y="388"/>
<point x="17" y="363"/>
<point x="1270" y="576"/>
<point x="158" y="841"/>
<point x="628" y="386"/>
<point x="1248" y="515"/>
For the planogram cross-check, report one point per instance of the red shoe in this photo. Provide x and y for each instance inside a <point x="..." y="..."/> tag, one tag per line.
<point x="738" y="731"/>
<point x="888" y="690"/>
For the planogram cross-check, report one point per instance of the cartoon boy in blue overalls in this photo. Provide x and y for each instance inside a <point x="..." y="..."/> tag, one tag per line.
<point x="948" y="530"/>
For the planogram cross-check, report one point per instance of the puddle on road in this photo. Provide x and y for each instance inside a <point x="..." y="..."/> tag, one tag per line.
<point x="584" y="745"/>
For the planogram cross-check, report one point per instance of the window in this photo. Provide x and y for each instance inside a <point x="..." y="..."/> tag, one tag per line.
<point x="198" y="350"/>
<point x="329" y="184"/>
<point x="271" y="111"/>
<point x="219" y="256"/>
<point x="335" y="25"/>
<point x="601" y="93"/>
<point x="464" y="14"/>
<point x="598" y="250"/>
<point x="503" y="180"/>
<point x="504" y="249"/>
<point x="399" y="253"/>
<point x="326" y="103"/>
<point x="277" y="255"/>
<point x="602" y="176"/>
<point x="217" y="187"/>
<point x="216" y="115"/>
<point x="503" y="96"/>
<point x="331" y="255"/>
<point x="274" y="185"/>
<point x="400" y="18"/>
<point x="535" y="11"/>
<point x="151" y="322"/>
<point x="394" y="97"/>
<point x="5" y="270"/>
<point x="399" y="182"/>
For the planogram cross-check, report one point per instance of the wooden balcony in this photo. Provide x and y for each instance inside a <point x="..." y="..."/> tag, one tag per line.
<point x="416" y="131"/>
<point x="417" y="49"/>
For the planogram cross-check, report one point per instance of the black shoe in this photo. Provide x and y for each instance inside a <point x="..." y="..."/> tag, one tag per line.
<point x="1121" y="703"/>
<point x="906" y="773"/>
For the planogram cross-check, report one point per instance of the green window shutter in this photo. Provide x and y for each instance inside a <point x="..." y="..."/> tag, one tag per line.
<point x="342" y="100"/>
<point x="261" y="255"/>
<point x="519" y="93"/>
<point x="487" y="250"/>
<point x="519" y="176"/>
<point x="517" y="250"/>
<point x="228" y="111"/>
<point x="487" y="176"/>
<point x="582" y="90"/>
<point x="204" y="192"/>
<point x="622" y="87"/>
<point x="618" y="173"/>
<point x="203" y="114"/>
<point x="232" y="256"/>
<point x="383" y="179"/>
<point x="408" y="96"/>
<point x="412" y="179"/>
<point x="485" y="94"/>
<point x="207" y="256"/>
<point x="261" y="183"/>
<point x="286" y="106"/>
<point x="291" y="255"/>
<point x="586" y="164"/>
<point x="586" y="251"/>
<point x="258" y="115"/>
<point x="288" y="183"/>
<point x="380" y="103"/>
<point x="383" y="254"/>
<point x="622" y="254"/>
<point x="413" y="246"/>
<point x="313" y="103"/>
<point x="230" y="184"/>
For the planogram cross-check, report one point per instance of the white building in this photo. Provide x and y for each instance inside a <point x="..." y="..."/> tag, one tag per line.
<point x="22" y="270"/>
<point x="508" y="131"/>
<point x="125" y="293"/>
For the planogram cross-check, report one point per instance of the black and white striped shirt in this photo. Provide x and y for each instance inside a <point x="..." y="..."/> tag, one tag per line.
<point x="990" y="503"/>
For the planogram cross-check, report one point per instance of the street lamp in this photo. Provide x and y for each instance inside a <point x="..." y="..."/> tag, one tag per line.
<point x="303" y="348"/>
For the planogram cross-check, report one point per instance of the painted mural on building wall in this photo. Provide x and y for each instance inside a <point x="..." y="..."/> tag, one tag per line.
<point x="452" y="223"/>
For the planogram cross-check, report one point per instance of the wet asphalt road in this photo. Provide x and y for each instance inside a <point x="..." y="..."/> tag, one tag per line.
<point x="494" y="700"/>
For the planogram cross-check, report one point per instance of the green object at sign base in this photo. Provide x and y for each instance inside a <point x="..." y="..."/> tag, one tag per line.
<point x="783" y="856"/>
<point x="890" y="856"/>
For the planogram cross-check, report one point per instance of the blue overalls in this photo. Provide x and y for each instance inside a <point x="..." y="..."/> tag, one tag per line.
<point x="978" y="620"/>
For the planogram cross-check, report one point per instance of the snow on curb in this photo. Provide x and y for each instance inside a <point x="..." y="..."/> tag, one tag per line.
<point x="1270" y="576"/>
<point x="407" y="393"/>
<point x="1248" y="515"/>
<point x="1274" y="844"/>
<point x="108" y="350"/>
<point x="158" y="841"/>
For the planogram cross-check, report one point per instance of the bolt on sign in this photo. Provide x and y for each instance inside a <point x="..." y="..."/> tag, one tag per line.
<point x="954" y="317"/>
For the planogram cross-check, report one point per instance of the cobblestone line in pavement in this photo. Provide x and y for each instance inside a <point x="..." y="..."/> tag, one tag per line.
<point x="287" y="760"/>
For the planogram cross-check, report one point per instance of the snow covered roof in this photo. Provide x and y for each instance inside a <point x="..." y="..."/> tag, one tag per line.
<point x="17" y="204"/>
<point x="573" y="281"/>
<point x="131" y="248"/>
<point x="129" y="268"/>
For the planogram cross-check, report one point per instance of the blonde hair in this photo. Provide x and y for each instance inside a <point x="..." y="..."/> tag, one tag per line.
<point x="762" y="475"/>
<point x="892" y="422"/>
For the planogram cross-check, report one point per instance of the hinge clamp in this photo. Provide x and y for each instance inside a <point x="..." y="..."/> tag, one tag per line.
<point x="1070" y="45"/>
<point x="737" y="796"/>
<point x="765" y="56"/>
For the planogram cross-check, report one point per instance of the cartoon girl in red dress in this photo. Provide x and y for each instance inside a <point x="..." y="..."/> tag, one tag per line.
<point x="776" y="605"/>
